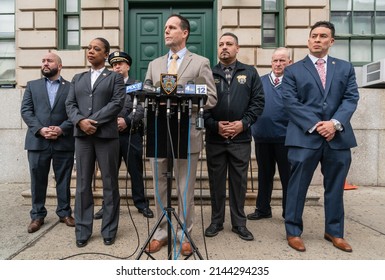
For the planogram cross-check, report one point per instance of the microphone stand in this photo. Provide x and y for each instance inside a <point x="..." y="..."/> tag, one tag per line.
<point x="169" y="210"/>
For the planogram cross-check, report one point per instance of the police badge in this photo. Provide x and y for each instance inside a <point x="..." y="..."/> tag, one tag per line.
<point x="168" y="83"/>
<point x="241" y="79"/>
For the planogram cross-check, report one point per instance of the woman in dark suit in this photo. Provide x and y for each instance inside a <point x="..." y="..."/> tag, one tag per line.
<point x="94" y="101"/>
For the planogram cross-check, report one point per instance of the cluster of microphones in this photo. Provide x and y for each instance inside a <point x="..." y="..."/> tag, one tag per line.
<point x="192" y="91"/>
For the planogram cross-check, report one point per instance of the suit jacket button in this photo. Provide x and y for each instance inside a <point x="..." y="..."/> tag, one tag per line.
<point x="89" y="109"/>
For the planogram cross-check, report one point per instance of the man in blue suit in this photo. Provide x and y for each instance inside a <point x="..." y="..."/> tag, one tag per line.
<point x="320" y="98"/>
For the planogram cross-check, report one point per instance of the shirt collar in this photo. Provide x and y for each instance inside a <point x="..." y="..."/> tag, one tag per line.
<point x="232" y="66"/>
<point x="314" y="59"/>
<point x="97" y="70"/>
<point x="180" y="54"/>
<point x="58" y="80"/>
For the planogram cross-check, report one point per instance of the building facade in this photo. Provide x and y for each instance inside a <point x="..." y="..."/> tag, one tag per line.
<point x="28" y="29"/>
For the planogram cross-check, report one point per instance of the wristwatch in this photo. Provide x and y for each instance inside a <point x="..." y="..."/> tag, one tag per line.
<point x="337" y="125"/>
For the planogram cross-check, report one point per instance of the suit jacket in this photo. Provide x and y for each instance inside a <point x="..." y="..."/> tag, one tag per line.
<point x="307" y="102"/>
<point x="37" y="113"/>
<point x="102" y="103"/>
<point x="192" y="67"/>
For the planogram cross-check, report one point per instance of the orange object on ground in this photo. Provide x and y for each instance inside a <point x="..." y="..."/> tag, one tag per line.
<point x="349" y="186"/>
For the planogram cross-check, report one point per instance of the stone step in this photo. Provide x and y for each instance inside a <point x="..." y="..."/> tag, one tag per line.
<point x="201" y="196"/>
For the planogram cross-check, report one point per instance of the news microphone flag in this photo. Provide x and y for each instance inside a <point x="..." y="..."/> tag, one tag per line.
<point x="134" y="87"/>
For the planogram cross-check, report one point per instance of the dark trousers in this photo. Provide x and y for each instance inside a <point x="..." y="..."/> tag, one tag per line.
<point x="335" y="165"/>
<point x="106" y="152"/>
<point x="268" y="156"/>
<point x="39" y="167"/>
<point x="132" y="154"/>
<point x="228" y="160"/>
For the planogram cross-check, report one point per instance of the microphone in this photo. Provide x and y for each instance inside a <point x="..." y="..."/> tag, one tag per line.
<point x="148" y="86"/>
<point x="179" y="89"/>
<point x="168" y="108"/>
<point x="201" y="89"/>
<point x="190" y="108"/>
<point x="189" y="88"/>
<point x="134" y="87"/>
<point x="134" y="105"/>
<point x="157" y="87"/>
<point x="145" y="110"/>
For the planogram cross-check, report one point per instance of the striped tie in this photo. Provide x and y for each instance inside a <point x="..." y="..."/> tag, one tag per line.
<point x="228" y="74"/>
<point x="320" y="65"/>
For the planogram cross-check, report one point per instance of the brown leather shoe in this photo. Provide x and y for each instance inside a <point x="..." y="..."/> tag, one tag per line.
<point x="155" y="246"/>
<point x="186" y="249"/>
<point x="340" y="243"/>
<point x="69" y="221"/>
<point x="296" y="243"/>
<point x="35" y="225"/>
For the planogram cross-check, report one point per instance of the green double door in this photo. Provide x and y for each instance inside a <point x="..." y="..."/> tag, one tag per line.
<point x="144" y="31"/>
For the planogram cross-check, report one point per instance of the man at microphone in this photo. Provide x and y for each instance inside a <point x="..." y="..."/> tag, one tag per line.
<point x="188" y="66"/>
<point x="130" y="123"/>
<point x="228" y="136"/>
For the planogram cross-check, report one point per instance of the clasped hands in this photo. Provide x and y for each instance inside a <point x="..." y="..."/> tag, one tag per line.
<point x="326" y="129"/>
<point x="229" y="129"/>
<point x="88" y="126"/>
<point x="51" y="132"/>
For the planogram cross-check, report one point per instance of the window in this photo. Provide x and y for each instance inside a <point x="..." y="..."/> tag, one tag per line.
<point x="360" y="30"/>
<point x="69" y="24"/>
<point x="7" y="44"/>
<point x="272" y="23"/>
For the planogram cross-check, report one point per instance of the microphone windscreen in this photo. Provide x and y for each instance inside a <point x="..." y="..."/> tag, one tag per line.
<point x="148" y="82"/>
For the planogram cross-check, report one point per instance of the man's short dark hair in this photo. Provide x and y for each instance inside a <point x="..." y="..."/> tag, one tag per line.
<point x="326" y="24"/>
<point x="232" y="35"/>
<point x="184" y="23"/>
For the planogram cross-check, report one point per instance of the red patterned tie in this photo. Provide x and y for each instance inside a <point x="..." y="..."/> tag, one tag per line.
<point x="276" y="81"/>
<point x="320" y="65"/>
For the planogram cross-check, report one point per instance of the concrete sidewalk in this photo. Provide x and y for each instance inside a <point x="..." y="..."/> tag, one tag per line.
<point x="364" y="230"/>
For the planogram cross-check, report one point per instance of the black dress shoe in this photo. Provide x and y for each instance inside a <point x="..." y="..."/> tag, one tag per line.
<point x="147" y="212"/>
<point x="81" y="243"/>
<point x="258" y="216"/>
<point x="243" y="233"/>
<point x="98" y="215"/>
<point x="108" y="241"/>
<point x="213" y="230"/>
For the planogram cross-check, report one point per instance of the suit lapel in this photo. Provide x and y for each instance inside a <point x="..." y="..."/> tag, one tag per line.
<point x="45" y="92"/>
<point x="313" y="71"/>
<point x="104" y="74"/>
<point x="185" y="62"/>
<point x="59" y="93"/>
<point x="329" y="73"/>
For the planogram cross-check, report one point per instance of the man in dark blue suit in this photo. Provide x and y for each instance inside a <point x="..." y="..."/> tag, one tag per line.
<point x="320" y="95"/>
<point x="49" y="139"/>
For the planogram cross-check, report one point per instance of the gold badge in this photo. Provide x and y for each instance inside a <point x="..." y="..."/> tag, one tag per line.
<point x="241" y="79"/>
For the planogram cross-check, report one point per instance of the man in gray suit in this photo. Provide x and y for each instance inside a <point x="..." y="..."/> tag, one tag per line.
<point x="49" y="139"/>
<point x="189" y="67"/>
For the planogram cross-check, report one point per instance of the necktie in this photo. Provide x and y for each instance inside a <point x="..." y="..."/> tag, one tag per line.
<point x="173" y="67"/>
<point x="320" y="65"/>
<point x="228" y="74"/>
<point x="276" y="81"/>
